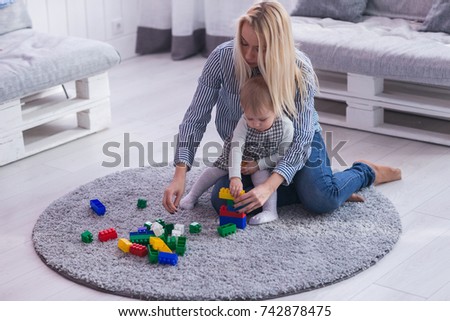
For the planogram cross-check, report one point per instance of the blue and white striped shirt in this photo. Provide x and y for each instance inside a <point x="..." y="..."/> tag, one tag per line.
<point x="218" y="86"/>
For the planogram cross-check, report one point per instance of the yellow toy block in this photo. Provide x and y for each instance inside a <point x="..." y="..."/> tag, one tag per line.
<point x="225" y="194"/>
<point x="159" y="245"/>
<point x="124" y="245"/>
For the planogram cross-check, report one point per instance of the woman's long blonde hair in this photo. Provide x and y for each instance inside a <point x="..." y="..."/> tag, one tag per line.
<point x="278" y="61"/>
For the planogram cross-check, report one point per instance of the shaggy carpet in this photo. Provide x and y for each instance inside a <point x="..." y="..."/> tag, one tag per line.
<point x="299" y="252"/>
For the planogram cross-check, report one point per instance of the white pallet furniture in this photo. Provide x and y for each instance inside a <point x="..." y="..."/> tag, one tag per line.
<point x="407" y="110"/>
<point x="20" y="119"/>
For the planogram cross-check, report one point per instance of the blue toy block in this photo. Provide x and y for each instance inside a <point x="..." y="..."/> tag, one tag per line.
<point x="167" y="258"/>
<point x="240" y="222"/>
<point x="98" y="207"/>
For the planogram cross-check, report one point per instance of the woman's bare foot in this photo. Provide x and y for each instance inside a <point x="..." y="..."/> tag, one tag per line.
<point x="383" y="174"/>
<point x="355" y="198"/>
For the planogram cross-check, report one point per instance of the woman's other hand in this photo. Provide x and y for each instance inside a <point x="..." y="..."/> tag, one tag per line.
<point x="175" y="190"/>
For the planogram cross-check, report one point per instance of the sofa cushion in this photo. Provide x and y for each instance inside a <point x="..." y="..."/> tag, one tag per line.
<point x="348" y="10"/>
<point x="438" y="19"/>
<point x="377" y="46"/>
<point x="14" y="16"/>
<point x="31" y="61"/>
<point x="406" y="9"/>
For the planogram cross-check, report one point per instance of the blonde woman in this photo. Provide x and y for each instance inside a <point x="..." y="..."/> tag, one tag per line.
<point x="260" y="139"/>
<point x="264" y="45"/>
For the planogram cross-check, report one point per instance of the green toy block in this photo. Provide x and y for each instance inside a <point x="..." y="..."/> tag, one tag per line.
<point x="181" y="245"/>
<point x="87" y="237"/>
<point x="227" y="229"/>
<point x="171" y="242"/>
<point x="161" y="221"/>
<point x="195" y="227"/>
<point x="169" y="228"/>
<point x="148" y="225"/>
<point x="142" y="203"/>
<point x="152" y="255"/>
<point x="230" y="203"/>
<point x="140" y="239"/>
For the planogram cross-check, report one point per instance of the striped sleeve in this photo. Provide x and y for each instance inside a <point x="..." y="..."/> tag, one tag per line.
<point x="305" y="126"/>
<point x="198" y="114"/>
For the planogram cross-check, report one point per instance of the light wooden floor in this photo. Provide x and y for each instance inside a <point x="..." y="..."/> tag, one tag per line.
<point x="149" y="96"/>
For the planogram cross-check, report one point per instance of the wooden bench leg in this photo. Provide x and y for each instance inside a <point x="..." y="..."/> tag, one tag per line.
<point x="11" y="139"/>
<point x="98" y="116"/>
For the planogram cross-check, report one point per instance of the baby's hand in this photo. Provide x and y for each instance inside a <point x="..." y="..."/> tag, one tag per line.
<point x="235" y="186"/>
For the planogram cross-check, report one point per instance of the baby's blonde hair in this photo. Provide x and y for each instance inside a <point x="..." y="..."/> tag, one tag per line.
<point x="277" y="62"/>
<point x="255" y="96"/>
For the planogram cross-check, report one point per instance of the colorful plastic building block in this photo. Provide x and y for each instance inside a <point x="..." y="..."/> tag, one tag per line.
<point x="148" y="225"/>
<point x="169" y="228"/>
<point x="158" y="229"/>
<point x="141" y="238"/>
<point x="97" y="207"/>
<point x="138" y="249"/>
<point x="227" y="229"/>
<point x="180" y="228"/>
<point x="152" y="255"/>
<point x="171" y="242"/>
<point x="167" y="258"/>
<point x="181" y="245"/>
<point x="194" y="228"/>
<point x="87" y="237"/>
<point x="159" y="245"/>
<point x="227" y="216"/>
<point x="124" y="245"/>
<point x="224" y="193"/>
<point x="142" y="203"/>
<point x="106" y="235"/>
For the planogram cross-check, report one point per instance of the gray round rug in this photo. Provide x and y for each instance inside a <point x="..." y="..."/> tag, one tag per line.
<point x="298" y="252"/>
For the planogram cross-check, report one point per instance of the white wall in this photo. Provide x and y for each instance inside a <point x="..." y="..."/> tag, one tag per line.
<point x="112" y="21"/>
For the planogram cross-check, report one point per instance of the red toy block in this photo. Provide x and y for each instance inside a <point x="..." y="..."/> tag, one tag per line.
<point x="138" y="249"/>
<point x="225" y="212"/>
<point x="106" y="235"/>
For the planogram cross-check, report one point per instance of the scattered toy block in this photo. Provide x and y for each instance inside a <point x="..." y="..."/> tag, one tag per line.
<point x="227" y="229"/>
<point x="148" y="225"/>
<point x="142" y="229"/>
<point x="169" y="228"/>
<point x="97" y="207"/>
<point x="152" y="255"/>
<point x="167" y="258"/>
<point x="138" y="249"/>
<point x="195" y="228"/>
<point x="181" y="245"/>
<point x="161" y="221"/>
<point x="141" y="238"/>
<point x="180" y="228"/>
<point x="171" y="242"/>
<point x="106" y="235"/>
<point x="87" y="237"/>
<point x="142" y="203"/>
<point x="124" y="245"/>
<point x="158" y="229"/>
<point x="159" y="245"/>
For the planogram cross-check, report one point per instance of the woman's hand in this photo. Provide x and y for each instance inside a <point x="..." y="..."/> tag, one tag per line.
<point x="259" y="195"/>
<point x="175" y="190"/>
<point x="253" y="199"/>
<point x="249" y="167"/>
<point x="235" y="186"/>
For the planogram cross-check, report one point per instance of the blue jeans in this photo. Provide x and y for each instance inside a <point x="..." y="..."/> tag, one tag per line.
<point x="315" y="186"/>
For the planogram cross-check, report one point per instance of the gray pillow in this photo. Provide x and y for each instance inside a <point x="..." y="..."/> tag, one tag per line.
<point x="13" y="17"/>
<point x="438" y="19"/>
<point x="347" y="10"/>
<point x="405" y="9"/>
